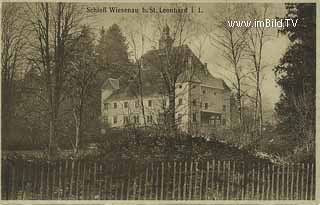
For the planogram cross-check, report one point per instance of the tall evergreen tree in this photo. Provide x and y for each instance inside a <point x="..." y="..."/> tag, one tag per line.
<point x="112" y="50"/>
<point x="296" y="75"/>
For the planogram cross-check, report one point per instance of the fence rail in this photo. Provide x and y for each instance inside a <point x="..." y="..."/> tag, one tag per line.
<point x="174" y="180"/>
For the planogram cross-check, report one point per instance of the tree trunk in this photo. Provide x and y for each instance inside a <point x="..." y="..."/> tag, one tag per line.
<point x="172" y="111"/>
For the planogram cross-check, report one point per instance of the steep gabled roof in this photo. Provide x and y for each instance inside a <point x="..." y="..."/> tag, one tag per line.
<point x="151" y="79"/>
<point x="150" y="83"/>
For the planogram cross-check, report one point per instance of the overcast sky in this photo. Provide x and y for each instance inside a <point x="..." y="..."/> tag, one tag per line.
<point x="272" y="52"/>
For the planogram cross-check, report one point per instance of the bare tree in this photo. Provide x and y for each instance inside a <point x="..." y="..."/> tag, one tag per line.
<point x="231" y="41"/>
<point x="257" y="37"/>
<point x="54" y="25"/>
<point x="175" y="55"/>
<point x="13" y="40"/>
<point x="83" y="73"/>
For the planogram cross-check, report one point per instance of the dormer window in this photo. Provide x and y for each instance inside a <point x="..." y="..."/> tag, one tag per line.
<point x="115" y="105"/>
<point x="150" y="103"/>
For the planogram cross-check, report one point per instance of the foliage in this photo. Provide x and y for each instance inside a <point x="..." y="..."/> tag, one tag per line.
<point x="147" y="145"/>
<point x="296" y="75"/>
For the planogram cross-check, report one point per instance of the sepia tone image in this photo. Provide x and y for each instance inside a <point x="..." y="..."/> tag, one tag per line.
<point x="158" y="101"/>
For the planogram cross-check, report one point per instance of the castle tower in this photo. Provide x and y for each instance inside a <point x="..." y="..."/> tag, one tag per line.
<point x="165" y="40"/>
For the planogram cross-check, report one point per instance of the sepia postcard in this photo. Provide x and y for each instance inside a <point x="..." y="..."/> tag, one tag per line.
<point x="166" y="102"/>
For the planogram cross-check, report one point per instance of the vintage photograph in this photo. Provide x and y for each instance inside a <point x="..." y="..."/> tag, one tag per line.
<point x="158" y="101"/>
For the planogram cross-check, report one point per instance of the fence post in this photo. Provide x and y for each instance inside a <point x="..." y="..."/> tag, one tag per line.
<point x="179" y="182"/>
<point x="263" y="182"/>
<point x="190" y="182"/>
<point x="157" y="181"/>
<point x="201" y="180"/>
<point x="302" y="180"/>
<point x="78" y="179"/>
<point x="272" y="182"/>
<point x="243" y="181"/>
<point x="287" y="174"/>
<point x="307" y="182"/>
<point x="41" y="181"/>
<point x="218" y="181"/>
<point x="207" y="180"/>
<point x="23" y="178"/>
<point x="228" y="180"/>
<point x="185" y="181"/>
<point x="292" y="179"/>
<point x="258" y="182"/>
<point x="162" y="175"/>
<point x="233" y="179"/>
<point x="72" y="179"/>
<point x="212" y="178"/>
<point x="311" y="184"/>
<point x="59" y="179"/>
<point x="140" y="188"/>
<point x="53" y="179"/>
<point x="128" y="181"/>
<point x="89" y="182"/>
<point x="297" y="181"/>
<point x="84" y="180"/>
<point x="134" y="182"/>
<point x="253" y="181"/>
<point x="195" y="180"/>
<point x="151" y="181"/>
<point x="146" y="185"/>
<point x="223" y="179"/>
<point x="100" y="182"/>
<point x="174" y="180"/>
<point x="282" y="182"/>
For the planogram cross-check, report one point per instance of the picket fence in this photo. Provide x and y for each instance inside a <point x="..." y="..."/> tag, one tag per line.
<point x="173" y="180"/>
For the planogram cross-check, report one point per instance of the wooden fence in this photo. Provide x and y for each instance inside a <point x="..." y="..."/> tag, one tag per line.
<point x="175" y="180"/>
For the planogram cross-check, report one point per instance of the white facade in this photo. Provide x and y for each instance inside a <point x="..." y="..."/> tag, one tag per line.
<point x="197" y="105"/>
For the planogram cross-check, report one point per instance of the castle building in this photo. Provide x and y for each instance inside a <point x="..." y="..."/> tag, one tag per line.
<point x="202" y="102"/>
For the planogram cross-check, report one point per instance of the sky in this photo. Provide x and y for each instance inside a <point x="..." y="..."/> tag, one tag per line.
<point x="273" y="49"/>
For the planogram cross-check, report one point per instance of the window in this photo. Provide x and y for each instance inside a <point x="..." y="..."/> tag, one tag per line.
<point x="115" y="105"/>
<point x="125" y="104"/>
<point x="106" y="106"/>
<point x="180" y="101"/>
<point x="179" y="118"/>
<point x="164" y="103"/>
<point x="161" y="117"/>
<point x="194" y="86"/>
<point x="194" y="117"/>
<point x="180" y="86"/>
<point x="150" y="103"/>
<point x="215" y="93"/>
<point x="204" y="91"/>
<point x="115" y="120"/>
<point x="194" y="102"/>
<point x="126" y="120"/>
<point x="206" y="105"/>
<point x="136" y="119"/>
<point x="224" y="122"/>
<point x="136" y="104"/>
<point x="224" y="108"/>
<point x="149" y="119"/>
